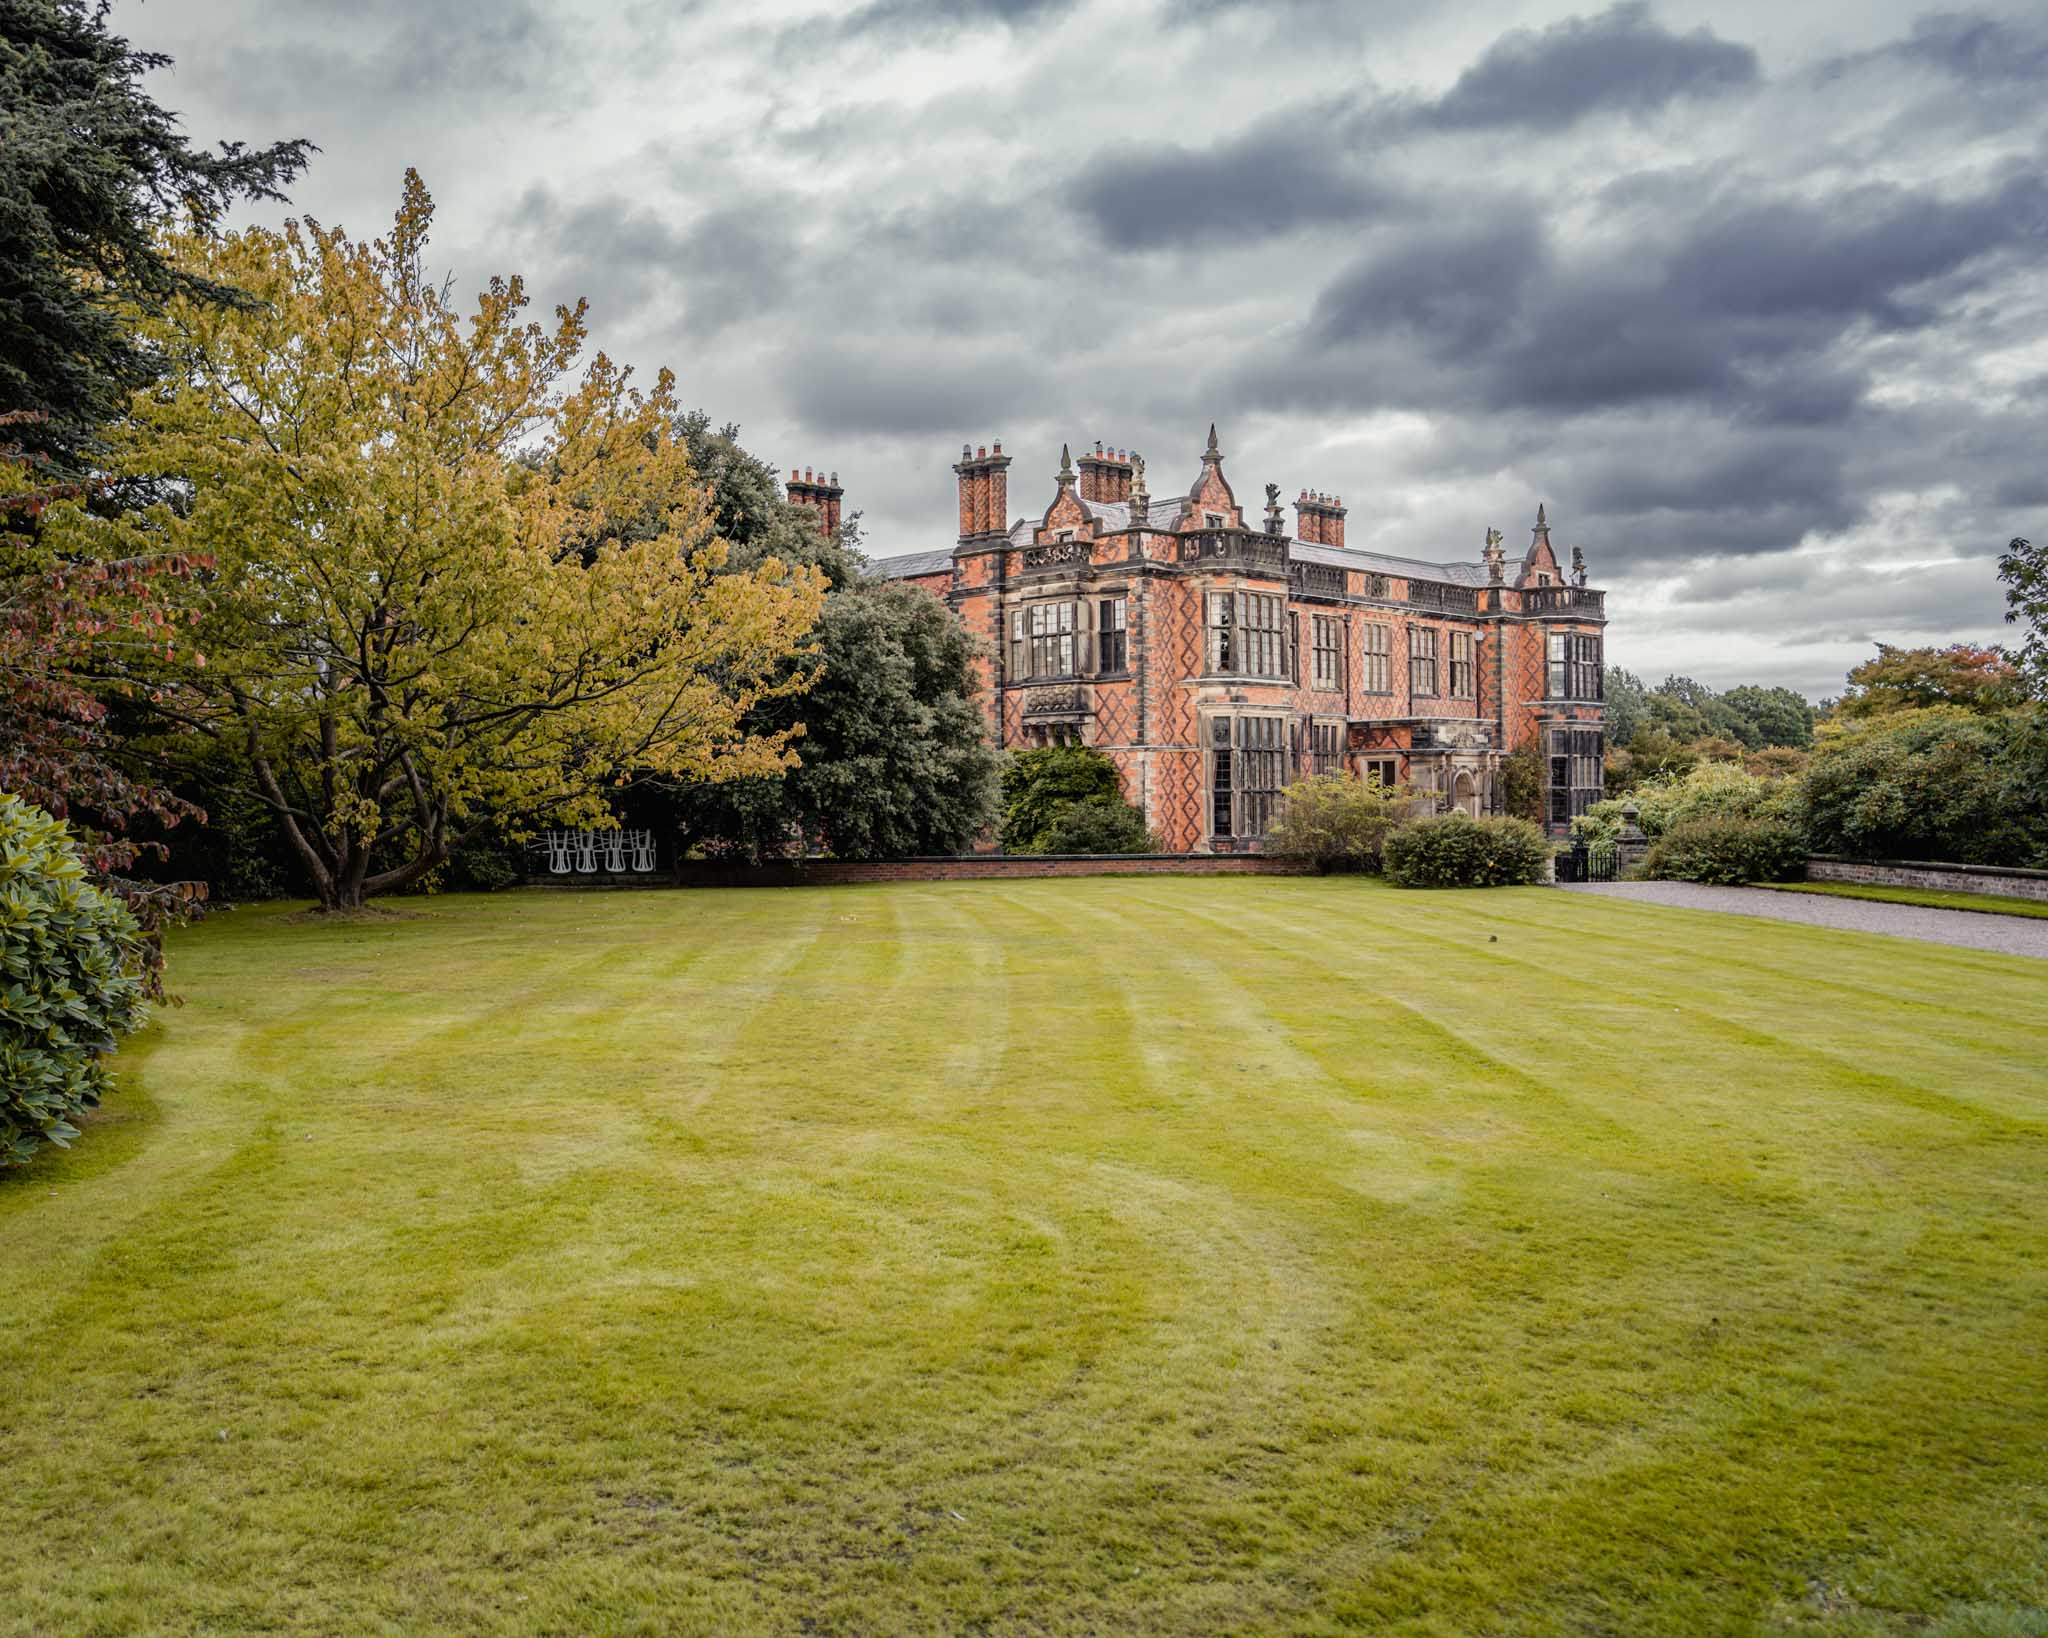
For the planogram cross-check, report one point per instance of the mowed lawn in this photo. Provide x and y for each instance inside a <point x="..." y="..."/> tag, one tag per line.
<point x="1111" y="1255"/>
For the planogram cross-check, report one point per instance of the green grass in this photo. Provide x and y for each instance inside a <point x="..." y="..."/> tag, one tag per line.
<point x="1933" y="897"/>
<point x="1069" y="1256"/>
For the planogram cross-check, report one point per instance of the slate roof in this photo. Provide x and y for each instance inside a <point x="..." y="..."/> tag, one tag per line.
<point x="1116" y="515"/>
<point x="1405" y="568"/>
<point x="910" y="564"/>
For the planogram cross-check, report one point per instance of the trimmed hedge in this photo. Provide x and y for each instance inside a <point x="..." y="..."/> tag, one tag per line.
<point x="1456" y="850"/>
<point x="1728" y="850"/>
<point x="1099" y="824"/>
<point x="71" y="980"/>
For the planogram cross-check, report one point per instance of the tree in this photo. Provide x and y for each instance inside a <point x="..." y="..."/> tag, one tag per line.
<point x="891" y="748"/>
<point x="1779" y="716"/>
<point x="1941" y="782"/>
<point x="2023" y="567"/>
<point x="411" y="630"/>
<point x="1910" y="679"/>
<point x="1627" y="705"/>
<point x="90" y="165"/>
<point x="1037" y="784"/>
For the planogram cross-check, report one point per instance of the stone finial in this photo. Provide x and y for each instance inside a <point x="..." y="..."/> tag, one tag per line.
<point x="1578" y="567"/>
<point x="1212" y="453"/>
<point x="1496" y="556"/>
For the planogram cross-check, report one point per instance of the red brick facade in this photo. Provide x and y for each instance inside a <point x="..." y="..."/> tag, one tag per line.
<point x="1217" y="659"/>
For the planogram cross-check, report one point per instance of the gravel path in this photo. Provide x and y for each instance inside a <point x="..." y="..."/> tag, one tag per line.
<point x="2008" y="935"/>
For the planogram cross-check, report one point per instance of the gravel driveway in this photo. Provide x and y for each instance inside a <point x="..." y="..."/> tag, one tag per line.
<point x="1975" y="930"/>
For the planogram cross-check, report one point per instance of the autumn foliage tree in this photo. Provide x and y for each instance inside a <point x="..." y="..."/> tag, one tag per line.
<point x="455" y="578"/>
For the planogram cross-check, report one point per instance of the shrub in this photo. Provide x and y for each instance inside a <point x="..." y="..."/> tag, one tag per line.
<point x="1456" y="850"/>
<point x="73" y="963"/>
<point x="1339" y="822"/>
<point x="1037" y="784"/>
<point x="1711" y="789"/>
<point x="1728" y="849"/>
<point x="1101" y="824"/>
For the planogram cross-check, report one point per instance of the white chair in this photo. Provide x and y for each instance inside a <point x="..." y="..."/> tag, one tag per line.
<point x="643" y="850"/>
<point x="559" y="852"/>
<point x="615" y="851"/>
<point x="586" y="852"/>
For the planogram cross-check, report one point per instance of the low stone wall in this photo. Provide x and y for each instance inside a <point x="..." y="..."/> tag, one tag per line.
<point x="1997" y="880"/>
<point x="985" y="867"/>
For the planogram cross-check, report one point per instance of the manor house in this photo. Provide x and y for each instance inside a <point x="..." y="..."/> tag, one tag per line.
<point x="1217" y="659"/>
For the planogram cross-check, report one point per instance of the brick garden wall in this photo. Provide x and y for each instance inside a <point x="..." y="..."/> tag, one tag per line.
<point x="1950" y="878"/>
<point x="986" y="867"/>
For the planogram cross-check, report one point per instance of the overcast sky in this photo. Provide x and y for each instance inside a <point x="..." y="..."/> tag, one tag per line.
<point x="1751" y="294"/>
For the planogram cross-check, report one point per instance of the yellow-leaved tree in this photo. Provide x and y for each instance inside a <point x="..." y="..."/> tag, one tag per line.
<point x="454" y="577"/>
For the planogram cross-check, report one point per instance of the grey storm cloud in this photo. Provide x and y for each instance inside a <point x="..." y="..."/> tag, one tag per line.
<point x="1288" y="173"/>
<point x="1752" y="297"/>
<point x="1622" y="60"/>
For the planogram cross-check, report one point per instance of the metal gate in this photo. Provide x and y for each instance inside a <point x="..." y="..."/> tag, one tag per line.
<point x="1589" y="862"/>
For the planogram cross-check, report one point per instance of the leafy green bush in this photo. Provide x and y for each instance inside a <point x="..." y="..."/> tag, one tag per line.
<point x="1038" y="784"/>
<point x="1100" y="824"/>
<point x="1456" y="850"/>
<point x="1712" y="789"/>
<point x="1728" y="849"/>
<point x="1339" y="822"/>
<point x="71" y="979"/>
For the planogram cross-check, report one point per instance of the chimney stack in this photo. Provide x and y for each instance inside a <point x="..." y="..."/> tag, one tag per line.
<point x="820" y="491"/>
<point x="1319" y="519"/>
<point x="984" y="491"/>
<point x="1105" y="474"/>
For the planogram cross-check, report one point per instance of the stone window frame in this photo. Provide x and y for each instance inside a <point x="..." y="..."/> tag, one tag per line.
<point x="1464" y="666"/>
<point x="1376" y="652"/>
<point x="1051" y="627"/>
<point x="1326" y="639"/>
<point x="1112" y="634"/>
<point x="1573" y="667"/>
<point x="1423" y="656"/>
<point x="1325" y="749"/>
<point x="1245" y="756"/>
<point x="1250" y="638"/>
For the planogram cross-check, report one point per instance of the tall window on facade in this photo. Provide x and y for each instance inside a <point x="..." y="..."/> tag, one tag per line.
<point x="1246" y="634"/>
<point x="1464" y="674"/>
<point x="1377" y="652"/>
<point x="1112" y="654"/>
<point x="1222" y="632"/>
<point x="1572" y="668"/>
<point x="1247" y="767"/>
<point x="1575" y="758"/>
<point x="1422" y="657"/>
<point x="1328" y="637"/>
<point x="1262" y="756"/>
<point x="1326" y="747"/>
<point x="1042" y="641"/>
<point x="1264" y="653"/>
<point x="1222" y="779"/>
